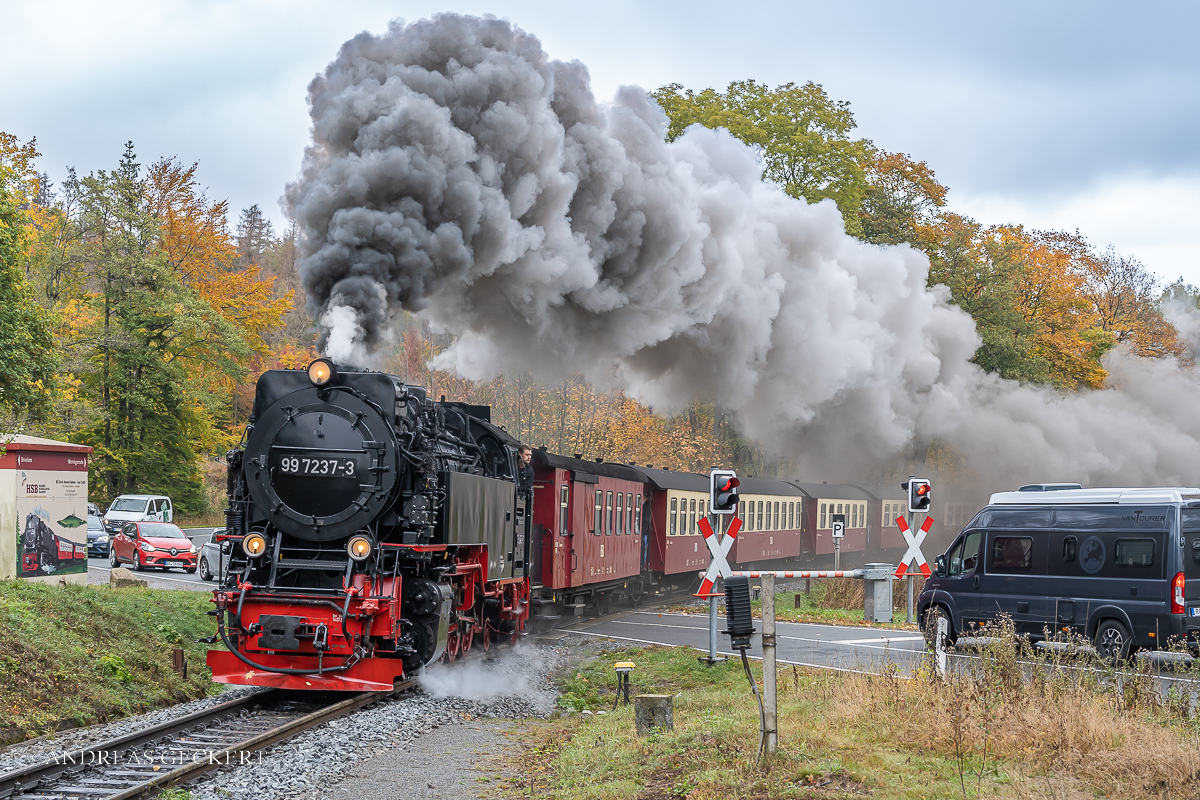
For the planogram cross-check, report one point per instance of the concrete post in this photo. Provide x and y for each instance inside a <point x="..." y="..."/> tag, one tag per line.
<point x="770" y="701"/>
<point x="653" y="711"/>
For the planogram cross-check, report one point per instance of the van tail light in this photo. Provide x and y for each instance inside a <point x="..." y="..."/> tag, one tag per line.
<point x="1177" y="594"/>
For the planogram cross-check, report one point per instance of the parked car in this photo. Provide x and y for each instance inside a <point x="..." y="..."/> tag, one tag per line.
<point x="97" y="537"/>
<point x="137" y="508"/>
<point x="213" y="562"/>
<point x="1120" y="567"/>
<point x="146" y="545"/>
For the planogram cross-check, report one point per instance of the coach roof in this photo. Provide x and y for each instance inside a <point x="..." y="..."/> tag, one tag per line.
<point x="683" y="481"/>
<point x="600" y="468"/>
<point x="833" y="491"/>
<point x="769" y="486"/>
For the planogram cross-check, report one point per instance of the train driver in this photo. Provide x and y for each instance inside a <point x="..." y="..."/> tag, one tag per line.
<point x="525" y="476"/>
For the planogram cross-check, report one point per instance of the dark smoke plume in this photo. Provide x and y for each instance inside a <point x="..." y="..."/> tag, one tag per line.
<point x="458" y="172"/>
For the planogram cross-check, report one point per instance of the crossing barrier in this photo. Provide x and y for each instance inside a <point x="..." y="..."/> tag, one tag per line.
<point x="877" y="594"/>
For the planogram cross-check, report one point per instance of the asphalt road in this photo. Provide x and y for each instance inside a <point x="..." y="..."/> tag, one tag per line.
<point x="827" y="646"/>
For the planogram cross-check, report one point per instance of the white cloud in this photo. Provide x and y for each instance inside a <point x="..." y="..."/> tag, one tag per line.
<point x="1151" y="219"/>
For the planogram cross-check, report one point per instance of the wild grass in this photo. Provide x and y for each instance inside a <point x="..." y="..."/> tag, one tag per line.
<point x="83" y="654"/>
<point x="831" y="601"/>
<point x="1008" y="724"/>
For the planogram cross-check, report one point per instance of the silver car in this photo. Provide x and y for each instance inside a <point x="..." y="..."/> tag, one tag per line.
<point x="212" y="561"/>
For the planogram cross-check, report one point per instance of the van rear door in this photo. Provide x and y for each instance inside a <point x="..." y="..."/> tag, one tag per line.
<point x="1189" y="525"/>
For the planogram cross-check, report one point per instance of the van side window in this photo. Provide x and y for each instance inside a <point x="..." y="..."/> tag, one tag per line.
<point x="965" y="555"/>
<point x="1070" y="545"/>
<point x="1135" y="553"/>
<point x="1196" y="550"/>
<point x="1012" y="553"/>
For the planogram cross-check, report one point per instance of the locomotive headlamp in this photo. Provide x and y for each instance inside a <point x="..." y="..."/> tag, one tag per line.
<point x="359" y="548"/>
<point x="321" y="372"/>
<point x="255" y="545"/>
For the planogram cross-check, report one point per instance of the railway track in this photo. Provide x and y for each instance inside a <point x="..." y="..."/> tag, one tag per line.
<point x="142" y="763"/>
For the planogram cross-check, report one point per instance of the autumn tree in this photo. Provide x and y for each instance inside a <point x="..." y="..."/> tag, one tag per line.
<point x="901" y="202"/>
<point x="802" y="136"/>
<point x="25" y="339"/>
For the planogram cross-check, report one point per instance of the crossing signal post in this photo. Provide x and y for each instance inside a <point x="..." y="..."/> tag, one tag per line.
<point x="920" y="495"/>
<point x="920" y="498"/>
<point x="723" y="491"/>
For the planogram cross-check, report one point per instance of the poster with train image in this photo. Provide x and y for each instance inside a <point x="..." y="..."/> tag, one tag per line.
<point x="52" y="523"/>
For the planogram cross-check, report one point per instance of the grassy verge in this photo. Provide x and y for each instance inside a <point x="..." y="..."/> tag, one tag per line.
<point x="835" y="601"/>
<point x="87" y="654"/>
<point x="1000" y="730"/>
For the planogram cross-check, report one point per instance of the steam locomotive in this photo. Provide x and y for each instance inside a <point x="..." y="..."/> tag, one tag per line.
<point x="370" y="531"/>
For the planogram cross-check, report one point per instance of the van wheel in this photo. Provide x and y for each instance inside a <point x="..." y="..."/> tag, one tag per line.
<point x="1112" y="642"/>
<point x="930" y="626"/>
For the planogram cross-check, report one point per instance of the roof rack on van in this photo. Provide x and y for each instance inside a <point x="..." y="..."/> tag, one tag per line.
<point x="1162" y="494"/>
<point x="1049" y="487"/>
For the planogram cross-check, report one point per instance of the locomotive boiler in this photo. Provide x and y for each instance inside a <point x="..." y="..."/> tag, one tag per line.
<point x="370" y="531"/>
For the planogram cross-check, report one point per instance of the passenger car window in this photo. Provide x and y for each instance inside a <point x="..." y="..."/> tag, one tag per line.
<point x="1134" y="553"/>
<point x="1012" y="553"/>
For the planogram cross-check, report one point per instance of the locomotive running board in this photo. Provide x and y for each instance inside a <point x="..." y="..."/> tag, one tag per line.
<point x="369" y="675"/>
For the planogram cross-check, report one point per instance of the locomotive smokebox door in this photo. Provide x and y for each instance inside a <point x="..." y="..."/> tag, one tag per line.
<point x="279" y="633"/>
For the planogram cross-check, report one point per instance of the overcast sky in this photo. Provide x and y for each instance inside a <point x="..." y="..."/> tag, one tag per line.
<point x="1056" y="115"/>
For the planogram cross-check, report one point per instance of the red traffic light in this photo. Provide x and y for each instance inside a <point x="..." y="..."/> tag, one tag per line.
<point x="922" y="488"/>
<point x="728" y="484"/>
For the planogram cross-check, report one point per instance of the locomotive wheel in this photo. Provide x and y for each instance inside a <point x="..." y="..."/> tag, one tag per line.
<point x="451" y="648"/>
<point x="467" y="639"/>
<point x="487" y="635"/>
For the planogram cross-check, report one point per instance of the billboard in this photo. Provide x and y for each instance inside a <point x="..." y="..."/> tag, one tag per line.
<point x="50" y="517"/>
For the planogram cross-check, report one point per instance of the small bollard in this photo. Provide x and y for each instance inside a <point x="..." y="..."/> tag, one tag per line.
<point x="179" y="661"/>
<point x="653" y="712"/>
<point x="623" y="668"/>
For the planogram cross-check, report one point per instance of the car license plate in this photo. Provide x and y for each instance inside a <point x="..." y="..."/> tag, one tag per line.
<point x="174" y="563"/>
<point x="1195" y="612"/>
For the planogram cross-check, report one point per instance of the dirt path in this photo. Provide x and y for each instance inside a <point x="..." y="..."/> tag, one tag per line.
<point x="453" y="762"/>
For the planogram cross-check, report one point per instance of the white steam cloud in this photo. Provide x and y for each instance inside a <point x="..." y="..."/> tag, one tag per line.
<point x="458" y="172"/>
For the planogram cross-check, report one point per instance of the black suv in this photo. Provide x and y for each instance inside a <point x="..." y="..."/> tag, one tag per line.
<point x="1118" y="566"/>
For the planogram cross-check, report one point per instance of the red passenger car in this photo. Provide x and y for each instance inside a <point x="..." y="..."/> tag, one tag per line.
<point x="587" y="532"/>
<point x="772" y="522"/>
<point x="824" y="502"/>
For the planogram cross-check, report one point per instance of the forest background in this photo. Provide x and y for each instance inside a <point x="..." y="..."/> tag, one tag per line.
<point x="136" y="316"/>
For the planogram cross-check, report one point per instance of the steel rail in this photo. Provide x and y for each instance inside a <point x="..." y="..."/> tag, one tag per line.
<point x="33" y="781"/>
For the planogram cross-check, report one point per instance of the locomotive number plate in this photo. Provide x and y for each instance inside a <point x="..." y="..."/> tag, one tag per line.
<point x="317" y="466"/>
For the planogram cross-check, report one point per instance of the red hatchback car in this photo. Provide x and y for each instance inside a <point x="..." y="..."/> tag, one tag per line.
<point x="152" y="544"/>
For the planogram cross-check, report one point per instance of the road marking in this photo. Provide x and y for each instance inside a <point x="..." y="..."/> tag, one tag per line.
<point x="882" y="639"/>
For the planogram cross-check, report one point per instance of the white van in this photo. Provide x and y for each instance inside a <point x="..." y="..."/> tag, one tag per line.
<point x="137" y="508"/>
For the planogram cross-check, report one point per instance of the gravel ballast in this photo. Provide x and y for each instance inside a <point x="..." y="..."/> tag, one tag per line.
<point x="452" y="704"/>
